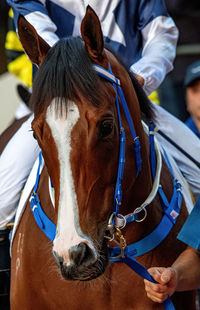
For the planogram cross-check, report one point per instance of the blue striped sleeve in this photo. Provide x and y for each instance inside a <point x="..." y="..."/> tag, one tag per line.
<point x="37" y="15"/>
<point x="149" y="10"/>
<point x="26" y="7"/>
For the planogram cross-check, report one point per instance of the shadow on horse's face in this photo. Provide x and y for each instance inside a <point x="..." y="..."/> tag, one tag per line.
<point x="79" y="138"/>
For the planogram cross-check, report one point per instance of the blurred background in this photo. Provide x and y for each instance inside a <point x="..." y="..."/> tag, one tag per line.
<point x="186" y="15"/>
<point x="9" y="99"/>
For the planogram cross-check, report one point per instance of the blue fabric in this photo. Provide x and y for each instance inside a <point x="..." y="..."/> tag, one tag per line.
<point x="190" y="233"/>
<point x="130" y="16"/>
<point x="191" y="124"/>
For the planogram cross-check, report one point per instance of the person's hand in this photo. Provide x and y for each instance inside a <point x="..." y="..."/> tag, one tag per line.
<point x="167" y="281"/>
<point x="139" y="78"/>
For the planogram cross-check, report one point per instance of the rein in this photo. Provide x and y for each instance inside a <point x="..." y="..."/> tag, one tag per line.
<point x="127" y="253"/>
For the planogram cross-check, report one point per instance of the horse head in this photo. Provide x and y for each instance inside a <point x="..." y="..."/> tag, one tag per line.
<point x="77" y="128"/>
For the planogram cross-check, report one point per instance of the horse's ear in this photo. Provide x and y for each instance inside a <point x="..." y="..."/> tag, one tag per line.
<point x="35" y="47"/>
<point x="92" y="34"/>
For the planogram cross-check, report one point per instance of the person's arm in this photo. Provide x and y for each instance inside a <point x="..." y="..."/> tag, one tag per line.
<point x="182" y="276"/>
<point x="160" y="35"/>
<point x="36" y="14"/>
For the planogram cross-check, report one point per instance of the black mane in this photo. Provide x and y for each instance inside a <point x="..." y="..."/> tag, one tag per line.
<point x="147" y="111"/>
<point x="67" y="72"/>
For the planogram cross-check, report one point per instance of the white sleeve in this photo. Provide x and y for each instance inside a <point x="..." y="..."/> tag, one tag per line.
<point x="159" y="49"/>
<point x="36" y="14"/>
<point x="44" y="26"/>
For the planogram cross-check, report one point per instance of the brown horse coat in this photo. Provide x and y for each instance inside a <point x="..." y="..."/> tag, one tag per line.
<point x="36" y="281"/>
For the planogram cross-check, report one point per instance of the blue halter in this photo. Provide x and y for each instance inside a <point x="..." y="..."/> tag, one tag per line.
<point x="116" y="84"/>
<point x="171" y="209"/>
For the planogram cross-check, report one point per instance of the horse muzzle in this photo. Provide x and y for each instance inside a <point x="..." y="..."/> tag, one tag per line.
<point x="83" y="265"/>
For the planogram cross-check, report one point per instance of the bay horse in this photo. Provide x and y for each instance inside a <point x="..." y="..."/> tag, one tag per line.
<point x="77" y="98"/>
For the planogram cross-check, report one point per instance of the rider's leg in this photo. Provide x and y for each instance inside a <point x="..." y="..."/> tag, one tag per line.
<point x="186" y="139"/>
<point x="16" y="162"/>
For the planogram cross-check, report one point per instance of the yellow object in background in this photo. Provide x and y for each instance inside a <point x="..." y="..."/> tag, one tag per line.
<point x="19" y="64"/>
<point x="21" y="67"/>
<point x="12" y="42"/>
<point x="154" y="97"/>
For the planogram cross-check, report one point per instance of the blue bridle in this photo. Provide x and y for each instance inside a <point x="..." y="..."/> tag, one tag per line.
<point x="169" y="208"/>
<point x="136" y="147"/>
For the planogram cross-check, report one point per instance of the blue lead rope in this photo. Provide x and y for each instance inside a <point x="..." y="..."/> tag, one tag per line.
<point x="142" y="272"/>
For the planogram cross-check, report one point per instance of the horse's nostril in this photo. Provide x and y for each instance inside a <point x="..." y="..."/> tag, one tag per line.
<point x="81" y="254"/>
<point x="59" y="259"/>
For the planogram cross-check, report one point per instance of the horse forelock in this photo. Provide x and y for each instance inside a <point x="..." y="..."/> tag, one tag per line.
<point x="65" y="74"/>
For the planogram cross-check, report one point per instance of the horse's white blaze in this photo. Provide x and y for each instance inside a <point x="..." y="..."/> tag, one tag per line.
<point x="68" y="232"/>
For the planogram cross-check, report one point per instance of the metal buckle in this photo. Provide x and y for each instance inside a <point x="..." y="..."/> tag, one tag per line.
<point x="122" y="217"/>
<point x="145" y="214"/>
<point x="110" y="228"/>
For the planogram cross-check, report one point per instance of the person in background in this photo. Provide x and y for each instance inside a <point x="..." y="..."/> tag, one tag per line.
<point x="192" y="84"/>
<point x="184" y="274"/>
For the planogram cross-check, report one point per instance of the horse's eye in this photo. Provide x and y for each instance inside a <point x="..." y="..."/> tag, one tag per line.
<point x="105" y="128"/>
<point x="34" y="135"/>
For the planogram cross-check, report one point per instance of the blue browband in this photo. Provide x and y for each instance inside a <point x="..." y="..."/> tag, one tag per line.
<point x="171" y="209"/>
